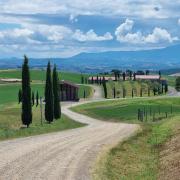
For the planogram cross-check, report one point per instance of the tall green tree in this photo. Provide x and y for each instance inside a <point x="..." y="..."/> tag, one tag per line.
<point x="177" y="85"/>
<point x="49" y="105"/>
<point x="33" y="99"/>
<point x="56" y="92"/>
<point x="104" y="87"/>
<point x="26" y="115"/>
<point x="37" y="98"/>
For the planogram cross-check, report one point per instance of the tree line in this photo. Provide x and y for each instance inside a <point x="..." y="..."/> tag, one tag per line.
<point x="28" y="99"/>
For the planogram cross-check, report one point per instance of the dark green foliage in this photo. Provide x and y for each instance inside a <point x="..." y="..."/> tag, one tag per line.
<point x="33" y="99"/>
<point x="114" y="92"/>
<point x="124" y="92"/>
<point x="166" y="88"/>
<point x="92" y="80"/>
<point x="124" y="76"/>
<point x="104" y="87"/>
<point x="149" y="91"/>
<point x="20" y="96"/>
<point x="37" y="99"/>
<point x="141" y="92"/>
<point x="132" y="93"/>
<point x="26" y="94"/>
<point x="134" y="76"/>
<point x="84" y="94"/>
<point x="82" y="79"/>
<point x="177" y="85"/>
<point x="49" y="105"/>
<point x="56" y="92"/>
<point x="147" y="72"/>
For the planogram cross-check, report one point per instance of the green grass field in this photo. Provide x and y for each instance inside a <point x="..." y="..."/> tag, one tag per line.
<point x="10" y="123"/>
<point x="40" y="75"/>
<point x="138" y="157"/>
<point x="10" y="111"/>
<point x="125" y="110"/>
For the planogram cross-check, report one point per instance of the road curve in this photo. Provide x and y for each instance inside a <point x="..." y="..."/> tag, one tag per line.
<point x="67" y="155"/>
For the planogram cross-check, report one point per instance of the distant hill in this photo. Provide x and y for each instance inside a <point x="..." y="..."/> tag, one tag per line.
<point x="166" y="58"/>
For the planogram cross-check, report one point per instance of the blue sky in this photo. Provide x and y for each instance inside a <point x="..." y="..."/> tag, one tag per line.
<point x="63" y="28"/>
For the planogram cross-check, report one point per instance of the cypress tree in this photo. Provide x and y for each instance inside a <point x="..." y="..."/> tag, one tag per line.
<point x="56" y="92"/>
<point x="124" y="92"/>
<point x="19" y="96"/>
<point x="49" y="105"/>
<point x="92" y="80"/>
<point x="124" y="76"/>
<point x="33" y="99"/>
<point x="37" y="99"/>
<point x="166" y="88"/>
<point x="26" y="115"/>
<point x="114" y="93"/>
<point x="84" y="94"/>
<point x="132" y="93"/>
<point x="141" y="92"/>
<point x="82" y="79"/>
<point x="104" y="86"/>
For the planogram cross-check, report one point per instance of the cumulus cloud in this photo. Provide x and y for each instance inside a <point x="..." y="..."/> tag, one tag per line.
<point x="33" y="33"/>
<point x="91" y="36"/>
<point x="124" y="33"/>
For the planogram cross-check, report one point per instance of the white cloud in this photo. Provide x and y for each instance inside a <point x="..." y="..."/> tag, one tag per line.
<point x="90" y="36"/>
<point x="159" y="35"/>
<point x="33" y="33"/>
<point x="124" y="34"/>
<point x="138" y="8"/>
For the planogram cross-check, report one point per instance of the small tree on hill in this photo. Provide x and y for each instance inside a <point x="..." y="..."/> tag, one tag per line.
<point x="124" y="76"/>
<point x="49" y="105"/>
<point x="166" y="88"/>
<point x="84" y="95"/>
<point x="177" y="85"/>
<point x="104" y="87"/>
<point x="26" y="94"/>
<point x="37" y="99"/>
<point x="56" y="92"/>
<point x="33" y="99"/>
<point x="124" y="92"/>
<point x="92" y="80"/>
<point x="114" y="92"/>
<point x="82" y="79"/>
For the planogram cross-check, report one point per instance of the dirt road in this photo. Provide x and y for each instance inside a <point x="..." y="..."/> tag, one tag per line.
<point x="67" y="155"/>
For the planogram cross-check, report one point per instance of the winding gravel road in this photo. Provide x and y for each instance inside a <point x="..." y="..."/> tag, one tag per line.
<point x="67" y="155"/>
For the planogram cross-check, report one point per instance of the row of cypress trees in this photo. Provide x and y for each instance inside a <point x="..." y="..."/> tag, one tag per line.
<point x="52" y="95"/>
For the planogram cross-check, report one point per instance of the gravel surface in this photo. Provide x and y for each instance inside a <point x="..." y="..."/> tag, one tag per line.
<point x="67" y="155"/>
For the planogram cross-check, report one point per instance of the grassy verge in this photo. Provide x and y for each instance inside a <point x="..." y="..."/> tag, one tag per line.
<point x="125" y="110"/>
<point x="10" y="123"/>
<point x="138" y="157"/>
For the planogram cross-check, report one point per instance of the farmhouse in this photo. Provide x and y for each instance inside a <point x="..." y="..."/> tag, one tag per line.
<point x="148" y="77"/>
<point x="68" y="91"/>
